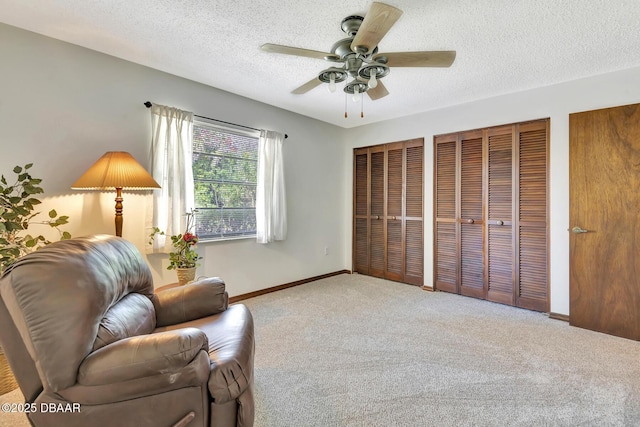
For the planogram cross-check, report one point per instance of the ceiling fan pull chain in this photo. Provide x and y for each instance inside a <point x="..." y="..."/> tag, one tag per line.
<point x="362" y="107"/>
<point x="345" y="105"/>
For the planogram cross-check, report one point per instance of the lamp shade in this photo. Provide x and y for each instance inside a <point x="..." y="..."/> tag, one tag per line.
<point x="115" y="169"/>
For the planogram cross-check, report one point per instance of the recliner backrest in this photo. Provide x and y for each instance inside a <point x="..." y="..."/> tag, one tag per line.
<point x="58" y="296"/>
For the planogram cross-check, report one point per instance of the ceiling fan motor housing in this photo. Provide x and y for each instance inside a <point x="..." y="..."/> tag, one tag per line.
<point x="352" y="65"/>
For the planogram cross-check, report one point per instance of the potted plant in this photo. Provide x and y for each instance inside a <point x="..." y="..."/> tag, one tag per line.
<point x="17" y="205"/>
<point x="183" y="258"/>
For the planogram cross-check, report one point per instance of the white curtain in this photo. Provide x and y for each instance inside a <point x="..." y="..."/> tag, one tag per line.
<point x="271" y="212"/>
<point x="171" y="152"/>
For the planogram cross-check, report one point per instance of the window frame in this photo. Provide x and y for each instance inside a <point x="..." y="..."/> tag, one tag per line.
<point x="225" y="129"/>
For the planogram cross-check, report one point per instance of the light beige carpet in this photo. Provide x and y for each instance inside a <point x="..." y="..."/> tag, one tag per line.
<point x="357" y="351"/>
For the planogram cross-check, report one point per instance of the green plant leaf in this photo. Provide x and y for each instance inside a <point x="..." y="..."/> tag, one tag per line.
<point x="10" y="215"/>
<point x="59" y="221"/>
<point x="22" y="210"/>
<point x="16" y="214"/>
<point x="29" y="189"/>
<point x="13" y="226"/>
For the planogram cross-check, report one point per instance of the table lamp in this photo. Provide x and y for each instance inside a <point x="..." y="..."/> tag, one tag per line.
<point x="119" y="170"/>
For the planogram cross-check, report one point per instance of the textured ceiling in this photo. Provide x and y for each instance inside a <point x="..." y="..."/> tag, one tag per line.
<point x="502" y="46"/>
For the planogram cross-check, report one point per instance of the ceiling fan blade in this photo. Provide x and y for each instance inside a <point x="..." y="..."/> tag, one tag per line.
<point x="288" y="50"/>
<point x="436" y="58"/>
<point x="378" y="92"/>
<point x="307" y="86"/>
<point x="377" y="22"/>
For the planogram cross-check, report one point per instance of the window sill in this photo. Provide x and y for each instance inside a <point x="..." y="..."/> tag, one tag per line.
<point x="226" y="239"/>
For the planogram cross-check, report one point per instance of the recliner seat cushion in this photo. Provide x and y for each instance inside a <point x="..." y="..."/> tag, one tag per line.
<point x="142" y="356"/>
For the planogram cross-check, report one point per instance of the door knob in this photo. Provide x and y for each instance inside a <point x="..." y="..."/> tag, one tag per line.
<point x="470" y="221"/>
<point x="578" y="230"/>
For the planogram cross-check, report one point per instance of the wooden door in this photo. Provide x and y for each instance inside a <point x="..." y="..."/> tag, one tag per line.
<point x="388" y="211"/>
<point x="499" y="239"/>
<point x="377" y="243"/>
<point x="446" y="226"/>
<point x="604" y="166"/>
<point x="394" y="214"/>
<point x="491" y="210"/>
<point x="413" y="215"/>
<point x="361" y="211"/>
<point x="532" y="273"/>
<point x="470" y="216"/>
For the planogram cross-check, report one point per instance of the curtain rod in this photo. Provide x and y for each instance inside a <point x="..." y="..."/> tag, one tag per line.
<point x="148" y="104"/>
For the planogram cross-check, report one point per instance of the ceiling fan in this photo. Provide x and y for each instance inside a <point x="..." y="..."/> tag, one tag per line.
<point x="359" y="56"/>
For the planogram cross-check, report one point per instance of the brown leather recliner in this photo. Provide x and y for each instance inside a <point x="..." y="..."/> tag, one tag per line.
<point x="90" y="343"/>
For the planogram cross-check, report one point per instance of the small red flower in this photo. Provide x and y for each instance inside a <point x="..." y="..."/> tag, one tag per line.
<point x="190" y="238"/>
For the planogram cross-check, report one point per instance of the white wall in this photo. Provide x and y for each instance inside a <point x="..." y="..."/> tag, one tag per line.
<point x="556" y="102"/>
<point x="63" y="106"/>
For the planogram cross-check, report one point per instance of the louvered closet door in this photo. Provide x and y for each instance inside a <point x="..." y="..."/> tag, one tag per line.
<point x="377" y="243"/>
<point x="532" y="262"/>
<point x="388" y="219"/>
<point x="446" y="235"/>
<point x="361" y="211"/>
<point x="491" y="208"/>
<point x="413" y="216"/>
<point x="471" y="218"/>
<point x="394" y="213"/>
<point x="499" y="194"/>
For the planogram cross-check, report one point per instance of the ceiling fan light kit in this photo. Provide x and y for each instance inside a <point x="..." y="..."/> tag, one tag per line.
<point x="332" y="76"/>
<point x="359" y="55"/>
<point x="372" y="72"/>
<point x="355" y="87"/>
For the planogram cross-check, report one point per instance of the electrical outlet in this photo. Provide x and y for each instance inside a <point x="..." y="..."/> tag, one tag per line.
<point x="326" y="250"/>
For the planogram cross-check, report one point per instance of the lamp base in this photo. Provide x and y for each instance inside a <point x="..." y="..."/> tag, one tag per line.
<point x="119" y="211"/>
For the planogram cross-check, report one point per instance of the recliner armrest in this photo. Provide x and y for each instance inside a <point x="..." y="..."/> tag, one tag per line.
<point x="232" y="353"/>
<point x="189" y="302"/>
<point x="142" y="356"/>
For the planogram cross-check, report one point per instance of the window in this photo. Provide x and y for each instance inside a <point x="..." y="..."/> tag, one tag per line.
<point x="225" y="167"/>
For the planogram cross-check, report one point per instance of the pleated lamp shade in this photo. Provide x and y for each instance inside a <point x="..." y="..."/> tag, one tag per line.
<point x="116" y="169"/>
